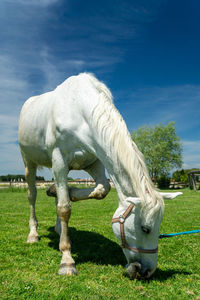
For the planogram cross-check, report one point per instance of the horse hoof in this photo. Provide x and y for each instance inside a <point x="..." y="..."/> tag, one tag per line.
<point x="66" y="269"/>
<point x="33" y="239"/>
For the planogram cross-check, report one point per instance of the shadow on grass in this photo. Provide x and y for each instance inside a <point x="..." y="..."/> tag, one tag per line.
<point x="93" y="247"/>
<point x="163" y="275"/>
<point x="90" y="247"/>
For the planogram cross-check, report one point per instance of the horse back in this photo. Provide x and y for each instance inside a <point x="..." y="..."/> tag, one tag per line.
<point x="61" y="118"/>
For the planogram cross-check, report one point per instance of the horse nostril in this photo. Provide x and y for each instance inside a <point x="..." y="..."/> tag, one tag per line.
<point x="133" y="270"/>
<point x="137" y="267"/>
<point x="147" y="273"/>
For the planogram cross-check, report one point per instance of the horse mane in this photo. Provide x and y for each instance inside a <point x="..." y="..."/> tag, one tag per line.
<point x="113" y="133"/>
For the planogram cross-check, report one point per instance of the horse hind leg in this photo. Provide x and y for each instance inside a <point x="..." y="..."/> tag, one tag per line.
<point x="30" y="174"/>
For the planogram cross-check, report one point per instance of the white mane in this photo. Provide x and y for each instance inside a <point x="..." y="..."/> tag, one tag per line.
<point x="113" y="132"/>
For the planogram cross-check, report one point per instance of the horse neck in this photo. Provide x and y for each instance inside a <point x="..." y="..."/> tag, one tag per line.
<point x="120" y="155"/>
<point x="119" y="176"/>
<point x="121" y="161"/>
<point x="131" y="179"/>
<point x="120" y="172"/>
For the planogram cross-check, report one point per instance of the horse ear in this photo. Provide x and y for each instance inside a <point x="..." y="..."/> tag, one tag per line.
<point x="170" y="195"/>
<point x="136" y="201"/>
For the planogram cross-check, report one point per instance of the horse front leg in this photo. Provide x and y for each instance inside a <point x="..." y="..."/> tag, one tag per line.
<point x="30" y="174"/>
<point x="102" y="185"/>
<point x="101" y="189"/>
<point x="67" y="266"/>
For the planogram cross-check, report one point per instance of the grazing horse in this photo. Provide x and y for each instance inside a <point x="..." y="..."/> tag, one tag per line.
<point x="76" y="127"/>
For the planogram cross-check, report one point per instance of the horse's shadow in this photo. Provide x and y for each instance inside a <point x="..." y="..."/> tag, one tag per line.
<point x="93" y="247"/>
<point x="90" y="247"/>
<point x="163" y="275"/>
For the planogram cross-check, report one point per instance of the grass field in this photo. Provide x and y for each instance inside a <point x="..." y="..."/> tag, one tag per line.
<point x="29" y="271"/>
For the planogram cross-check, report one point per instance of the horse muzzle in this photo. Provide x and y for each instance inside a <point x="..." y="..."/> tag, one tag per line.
<point x="136" y="271"/>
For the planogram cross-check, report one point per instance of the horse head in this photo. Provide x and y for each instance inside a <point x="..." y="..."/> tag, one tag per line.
<point x="139" y="239"/>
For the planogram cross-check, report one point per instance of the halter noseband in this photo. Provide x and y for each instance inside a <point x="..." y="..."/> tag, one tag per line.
<point x="121" y="219"/>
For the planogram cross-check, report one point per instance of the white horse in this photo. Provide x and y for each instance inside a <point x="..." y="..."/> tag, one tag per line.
<point x="77" y="126"/>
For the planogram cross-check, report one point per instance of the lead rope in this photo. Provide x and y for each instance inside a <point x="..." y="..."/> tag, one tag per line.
<point x="161" y="236"/>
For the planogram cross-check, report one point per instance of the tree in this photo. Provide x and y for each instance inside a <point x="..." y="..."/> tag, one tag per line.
<point x="161" y="148"/>
<point x="180" y="176"/>
<point x="11" y="177"/>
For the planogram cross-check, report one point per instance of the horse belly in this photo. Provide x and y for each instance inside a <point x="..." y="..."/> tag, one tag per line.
<point x="37" y="155"/>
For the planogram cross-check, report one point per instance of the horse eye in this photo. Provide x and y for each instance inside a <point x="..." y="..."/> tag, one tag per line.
<point x="145" y="229"/>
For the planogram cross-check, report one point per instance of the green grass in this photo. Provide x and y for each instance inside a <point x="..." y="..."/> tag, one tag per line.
<point x="29" y="271"/>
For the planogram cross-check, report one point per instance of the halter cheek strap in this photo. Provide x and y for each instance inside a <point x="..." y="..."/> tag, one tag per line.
<point x="121" y="219"/>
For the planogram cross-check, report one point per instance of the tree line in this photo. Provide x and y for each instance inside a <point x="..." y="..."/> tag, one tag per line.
<point x="19" y="177"/>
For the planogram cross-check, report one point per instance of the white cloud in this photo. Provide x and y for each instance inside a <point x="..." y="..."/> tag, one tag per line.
<point x="8" y="128"/>
<point x="195" y="145"/>
<point x="10" y="160"/>
<point x="12" y="84"/>
<point x="8" y="74"/>
<point x="32" y="2"/>
<point x="191" y="154"/>
<point x="14" y="89"/>
<point x="191" y="166"/>
<point x="55" y="71"/>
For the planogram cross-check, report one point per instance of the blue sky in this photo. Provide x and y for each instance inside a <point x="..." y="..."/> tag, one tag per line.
<point x="146" y="51"/>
